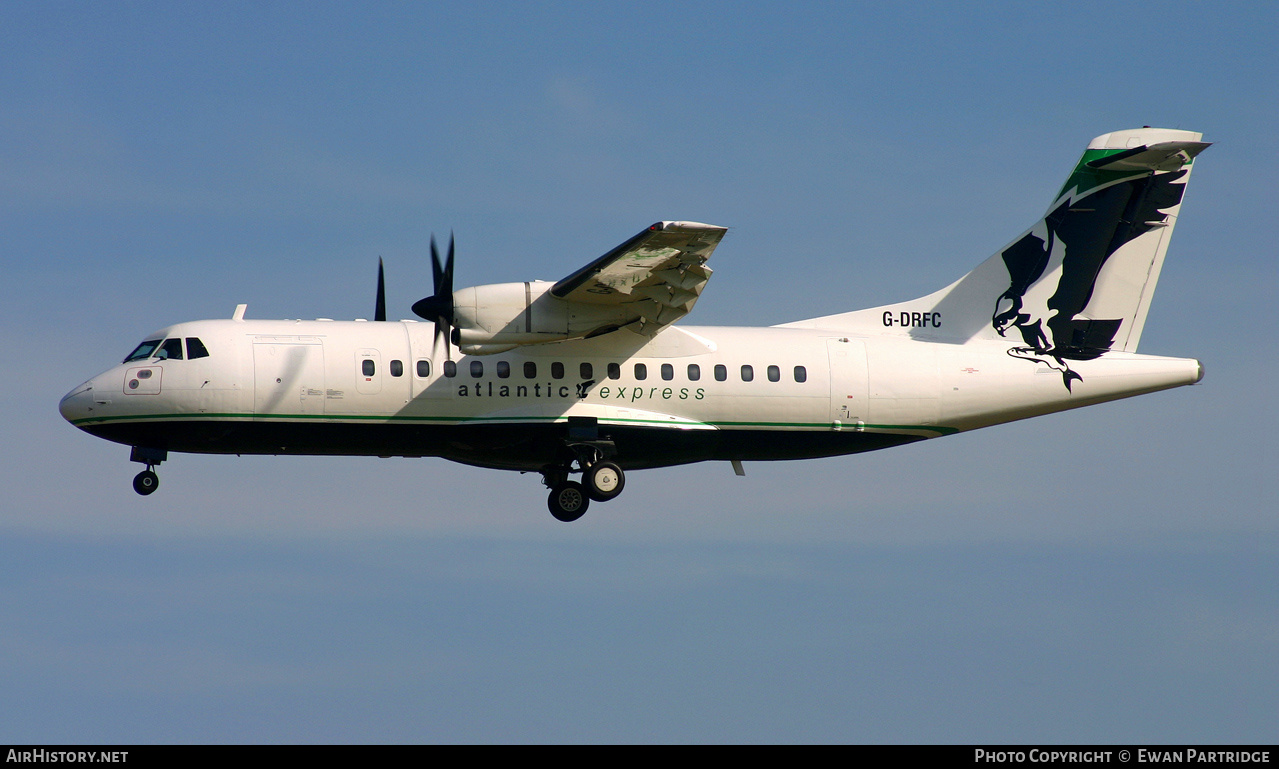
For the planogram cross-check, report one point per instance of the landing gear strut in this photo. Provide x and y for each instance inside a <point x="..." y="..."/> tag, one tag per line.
<point x="146" y="482"/>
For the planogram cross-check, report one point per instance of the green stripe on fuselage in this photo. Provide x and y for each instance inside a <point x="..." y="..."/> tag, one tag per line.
<point x="941" y="430"/>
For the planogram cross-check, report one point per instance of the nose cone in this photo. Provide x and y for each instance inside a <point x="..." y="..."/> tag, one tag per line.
<point x="77" y="404"/>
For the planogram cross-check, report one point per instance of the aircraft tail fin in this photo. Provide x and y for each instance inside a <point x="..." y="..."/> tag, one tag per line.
<point x="1079" y="282"/>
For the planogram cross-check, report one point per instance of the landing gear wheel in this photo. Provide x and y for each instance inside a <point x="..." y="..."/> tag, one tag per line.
<point x="604" y="481"/>
<point x="568" y="501"/>
<point x="146" y="482"/>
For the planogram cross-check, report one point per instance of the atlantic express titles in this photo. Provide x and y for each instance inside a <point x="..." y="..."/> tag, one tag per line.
<point x="579" y="391"/>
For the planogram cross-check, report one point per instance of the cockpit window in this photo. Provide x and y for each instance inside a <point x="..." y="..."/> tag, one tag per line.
<point x="196" y="349"/>
<point x="170" y="350"/>
<point x="144" y="350"/>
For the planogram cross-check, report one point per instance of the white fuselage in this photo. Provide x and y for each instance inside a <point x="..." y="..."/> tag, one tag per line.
<point x="688" y="394"/>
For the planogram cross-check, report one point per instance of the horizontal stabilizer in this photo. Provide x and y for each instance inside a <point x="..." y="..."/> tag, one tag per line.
<point x="1164" y="156"/>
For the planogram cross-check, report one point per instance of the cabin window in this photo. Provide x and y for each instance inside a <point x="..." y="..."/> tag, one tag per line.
<point x="477" y="369"/>
<point x="397" y="368"/>
<point x="450" y="368"/>
<point x="641" y="371"/>
<point x="170" y="350"/>
<point x="367" y="367"/>
<point x="503" y="370"/>
<point x="801" y="374"/>
<point x="774" y="374"/>
<point x="614" y="371"/>
<point x="530" y="370"/>
<point x="668" y="372"/>
<point x="586" y="371"/>
<point x="196" y="349"/>
<point x="721" y="372"/>
<point x="748" y="373"/>
<point x="424" y="369"/>
<point x="557" y="370"/>
<point x="694" y="372"/>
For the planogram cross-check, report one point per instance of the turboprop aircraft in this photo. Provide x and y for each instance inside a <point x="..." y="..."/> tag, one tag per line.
<point x="589" y="375"/>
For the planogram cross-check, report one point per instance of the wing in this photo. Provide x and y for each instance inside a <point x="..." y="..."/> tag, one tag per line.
<point x="660" y="272"/>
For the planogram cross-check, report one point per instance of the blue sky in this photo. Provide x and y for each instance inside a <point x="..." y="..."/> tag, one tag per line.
<point x="1100" y="575"/>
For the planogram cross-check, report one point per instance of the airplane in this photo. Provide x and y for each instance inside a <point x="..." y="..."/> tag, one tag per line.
<point x="591" y="376"/>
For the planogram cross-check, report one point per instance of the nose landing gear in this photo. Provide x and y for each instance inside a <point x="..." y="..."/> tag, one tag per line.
<point x="146" y="482"/>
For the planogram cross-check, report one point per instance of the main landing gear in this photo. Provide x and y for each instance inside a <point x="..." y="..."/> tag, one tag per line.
<point x="146" y="482"/>
<point x="602" y="480"/>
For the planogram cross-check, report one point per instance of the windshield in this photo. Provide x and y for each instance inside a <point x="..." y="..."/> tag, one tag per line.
<point x="170" y="350"/>
<point x="144" y="350"/>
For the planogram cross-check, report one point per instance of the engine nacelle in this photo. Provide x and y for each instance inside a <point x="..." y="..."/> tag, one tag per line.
<point x="499" y="316"/>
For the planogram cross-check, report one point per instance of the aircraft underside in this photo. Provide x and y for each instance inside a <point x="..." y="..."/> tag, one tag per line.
<point x="601" y="454"/>
<point x="523" y="447"/>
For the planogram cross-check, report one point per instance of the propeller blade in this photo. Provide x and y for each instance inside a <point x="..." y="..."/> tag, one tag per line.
<point x="438" y="306"/>
<point x="447" y="290"/>
<point x="437" y="271"/>
<point x="440" y="333"/>
<point x="435" y="345"/>
<point x="379" y="310"/>
<point x="448" y="271"/>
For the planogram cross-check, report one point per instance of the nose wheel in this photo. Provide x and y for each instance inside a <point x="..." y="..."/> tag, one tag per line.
<point x="146" y="482"/>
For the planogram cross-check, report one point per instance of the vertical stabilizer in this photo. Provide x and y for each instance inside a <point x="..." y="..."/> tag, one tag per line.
<point x="1079" y="282"/>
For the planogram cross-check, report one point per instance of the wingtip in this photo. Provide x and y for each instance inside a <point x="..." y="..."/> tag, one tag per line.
<point x="687" y="226"/>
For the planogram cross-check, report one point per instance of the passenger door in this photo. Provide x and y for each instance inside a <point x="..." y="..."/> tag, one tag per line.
<point x="848" y="383"/>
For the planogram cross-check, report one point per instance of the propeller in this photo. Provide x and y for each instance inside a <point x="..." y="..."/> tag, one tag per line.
<point x="439" y="306"/>
<point x="379" y="311"/>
